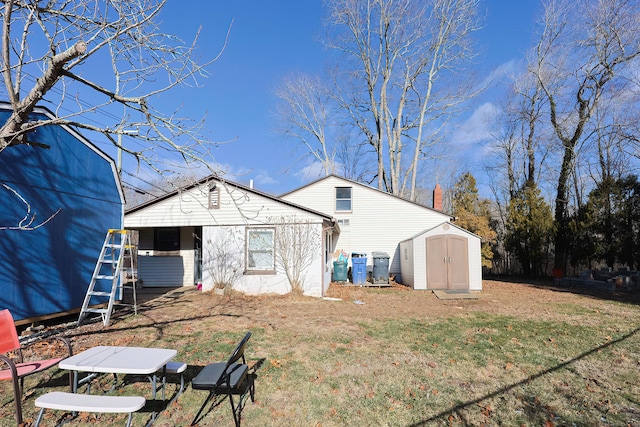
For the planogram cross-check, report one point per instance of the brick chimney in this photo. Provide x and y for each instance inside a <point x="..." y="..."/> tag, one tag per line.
<point x="437" y="198"/>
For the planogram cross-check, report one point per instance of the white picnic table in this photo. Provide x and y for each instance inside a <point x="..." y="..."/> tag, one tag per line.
<point x="121" y="360"/>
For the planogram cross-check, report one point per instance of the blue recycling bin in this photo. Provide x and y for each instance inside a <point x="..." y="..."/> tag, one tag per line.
<point x="359" y="270"/>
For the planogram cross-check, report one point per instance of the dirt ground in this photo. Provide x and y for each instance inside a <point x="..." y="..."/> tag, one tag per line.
<point x="344" y="302"/>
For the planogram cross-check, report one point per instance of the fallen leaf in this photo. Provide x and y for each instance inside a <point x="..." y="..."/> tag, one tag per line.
<point x="275" y="363"/>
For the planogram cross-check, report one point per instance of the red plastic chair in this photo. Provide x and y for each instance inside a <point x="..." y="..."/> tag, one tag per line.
<point x="17" y="368"/>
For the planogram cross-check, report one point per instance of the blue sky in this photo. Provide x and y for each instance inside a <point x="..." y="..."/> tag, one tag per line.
<point x="270" y="39"/>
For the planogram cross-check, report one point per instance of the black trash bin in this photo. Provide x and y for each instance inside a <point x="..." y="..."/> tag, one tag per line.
<point x="380" y="267"/>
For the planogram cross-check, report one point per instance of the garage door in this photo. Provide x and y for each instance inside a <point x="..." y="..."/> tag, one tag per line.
<point x="158" y="271"/>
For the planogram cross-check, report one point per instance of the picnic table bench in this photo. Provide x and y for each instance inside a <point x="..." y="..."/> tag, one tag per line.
<point x="75" y="402"/>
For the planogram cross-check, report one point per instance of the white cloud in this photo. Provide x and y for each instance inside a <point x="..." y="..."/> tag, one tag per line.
<point x="310" y="172"/>
<point x="502" y="72"/>
<point x="477" y="128"/>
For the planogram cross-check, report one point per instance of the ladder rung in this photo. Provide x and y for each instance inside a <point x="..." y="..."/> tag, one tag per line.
<point x="96" y="310"/>
<point x="113" y="252"/>
<point x="99" y="294"/>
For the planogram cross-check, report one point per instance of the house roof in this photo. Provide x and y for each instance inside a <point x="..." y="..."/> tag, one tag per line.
<point x="368" y="187"/>
<point x="242" y="187"/>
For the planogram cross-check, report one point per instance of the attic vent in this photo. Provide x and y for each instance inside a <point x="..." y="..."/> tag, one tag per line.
<point x="214" y="196"/>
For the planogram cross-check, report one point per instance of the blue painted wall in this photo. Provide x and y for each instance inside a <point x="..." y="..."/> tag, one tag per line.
<point x="47" y="270"/>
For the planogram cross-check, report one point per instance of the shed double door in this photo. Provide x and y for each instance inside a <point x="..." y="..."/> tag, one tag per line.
<point x="447" y="262"/>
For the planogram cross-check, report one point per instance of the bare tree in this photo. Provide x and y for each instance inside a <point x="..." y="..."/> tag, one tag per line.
<point x="223" y="255"/>
<point x="305" y="114"/>
<point x="401" y="59"/>
<point x="296" y="246"/>
<point x="29" y="220"/>
<point x="52" y="51"/>
<point x="585" y="48"/>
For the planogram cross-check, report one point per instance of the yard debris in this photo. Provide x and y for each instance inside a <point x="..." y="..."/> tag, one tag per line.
<point x="358" y="302"/>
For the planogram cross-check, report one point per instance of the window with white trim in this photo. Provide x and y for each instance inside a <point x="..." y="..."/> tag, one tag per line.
<point x="261" y="249"/>
<point x="343" y="223"/>
<point x="343" y="199"/>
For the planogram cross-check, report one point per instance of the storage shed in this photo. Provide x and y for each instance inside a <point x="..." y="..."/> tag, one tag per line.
<point x="58" y="198"/>
<point x="443" y="257"/>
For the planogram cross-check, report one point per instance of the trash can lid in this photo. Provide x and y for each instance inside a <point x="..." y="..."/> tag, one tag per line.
<point x="380" y="254"/>
<point x="358" y="254"/>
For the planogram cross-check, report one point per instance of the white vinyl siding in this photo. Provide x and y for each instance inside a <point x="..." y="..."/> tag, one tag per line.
<point x="190" y="208"/>
<point x="378" y="221"/>
<point x="239" y="209"/>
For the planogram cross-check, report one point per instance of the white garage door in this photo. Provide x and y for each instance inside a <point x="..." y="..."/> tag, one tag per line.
<point x="158" y="271"/>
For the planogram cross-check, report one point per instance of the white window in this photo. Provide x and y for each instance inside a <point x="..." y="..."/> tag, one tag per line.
<point x="343" y="223"/>
<point x="343" y="199"/>
<point x="261" y="249"/>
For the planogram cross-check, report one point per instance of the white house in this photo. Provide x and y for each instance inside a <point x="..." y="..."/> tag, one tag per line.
<point x="370" y="220"/>
<point x="217" y="231"/>
<point x="443" y="257"/>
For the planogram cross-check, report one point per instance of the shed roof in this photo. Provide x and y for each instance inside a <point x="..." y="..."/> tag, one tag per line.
<point x="440" y="225"/>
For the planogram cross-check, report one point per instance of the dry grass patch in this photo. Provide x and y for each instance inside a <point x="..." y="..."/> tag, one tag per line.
<point x="520" y="355"/>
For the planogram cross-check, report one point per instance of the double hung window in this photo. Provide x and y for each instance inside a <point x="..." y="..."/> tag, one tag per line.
<point x="261" y="250"/>
<point x="343" y="199"/>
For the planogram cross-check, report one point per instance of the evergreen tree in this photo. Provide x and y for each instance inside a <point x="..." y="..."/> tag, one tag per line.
<point x="612" y="215"/>
<point x="529" y="228"/>
<point x="474" y="214"/>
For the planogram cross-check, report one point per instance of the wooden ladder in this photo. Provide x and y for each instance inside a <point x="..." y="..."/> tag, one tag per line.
<point x="110" y="268"/>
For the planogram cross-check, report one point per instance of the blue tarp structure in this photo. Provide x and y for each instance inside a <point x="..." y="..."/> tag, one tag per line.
<point x="74" y="186"/>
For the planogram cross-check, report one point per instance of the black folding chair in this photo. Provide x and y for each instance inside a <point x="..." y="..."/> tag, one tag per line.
<point x="227" y="379"/>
